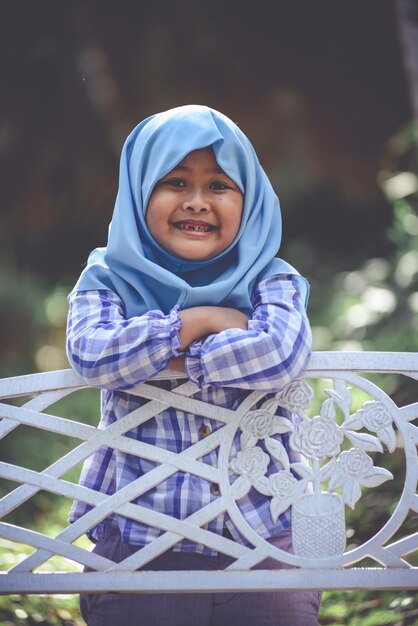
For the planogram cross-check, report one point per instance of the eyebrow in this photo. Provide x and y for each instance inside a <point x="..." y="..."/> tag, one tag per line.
<point x="184" y="168"/>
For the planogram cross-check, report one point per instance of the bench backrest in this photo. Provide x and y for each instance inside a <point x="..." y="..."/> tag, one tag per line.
<point x="354" y="437"/>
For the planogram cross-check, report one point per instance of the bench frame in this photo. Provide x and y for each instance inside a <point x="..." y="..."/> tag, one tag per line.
<point x="335" y="570"/>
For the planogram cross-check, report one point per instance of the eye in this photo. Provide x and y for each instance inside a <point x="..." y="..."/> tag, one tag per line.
<point x="174" y="182"/>
<point x="219" y="186"/>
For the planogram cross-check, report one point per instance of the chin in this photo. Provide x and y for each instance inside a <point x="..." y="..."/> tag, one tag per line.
<point x="195" y="256"/>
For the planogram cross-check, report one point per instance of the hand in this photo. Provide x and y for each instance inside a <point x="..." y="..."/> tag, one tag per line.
<point x="223" y="318"/>
<point x="201" y="321"/>
<point x="177" y="363"/>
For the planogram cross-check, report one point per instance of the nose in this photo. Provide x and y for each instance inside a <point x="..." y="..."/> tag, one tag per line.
<point x="196" y="202"/>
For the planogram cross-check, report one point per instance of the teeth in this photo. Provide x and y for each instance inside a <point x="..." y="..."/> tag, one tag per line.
<point x="198" y="228"/>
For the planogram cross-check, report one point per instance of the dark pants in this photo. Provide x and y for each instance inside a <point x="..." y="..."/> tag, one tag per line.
<point x="277" y="608"/>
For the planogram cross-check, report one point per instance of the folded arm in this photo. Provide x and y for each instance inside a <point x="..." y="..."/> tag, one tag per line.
<point x="269" y="353"/>
<point x="224" y="347"/>
<point x="112" y="352"/>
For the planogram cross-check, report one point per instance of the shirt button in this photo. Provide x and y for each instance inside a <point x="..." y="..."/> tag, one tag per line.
<point x="214" y="489"/>
<point x="204" y="430"/>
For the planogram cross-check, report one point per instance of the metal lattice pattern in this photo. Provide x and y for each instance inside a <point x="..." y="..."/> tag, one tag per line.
<point x="319" y="491"/>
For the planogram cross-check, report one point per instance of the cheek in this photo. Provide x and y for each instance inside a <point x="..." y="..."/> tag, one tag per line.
<point x="156" y="228"/>
<point x="235" y="218"/>
<point x="154" y="215"/>
<point x="150" y="220"/>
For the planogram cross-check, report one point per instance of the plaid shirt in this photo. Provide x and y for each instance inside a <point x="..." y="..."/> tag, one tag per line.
<point x="115" y="354"/>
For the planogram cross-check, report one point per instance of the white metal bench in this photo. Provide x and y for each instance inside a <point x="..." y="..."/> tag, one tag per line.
<point x="348" y="440"/>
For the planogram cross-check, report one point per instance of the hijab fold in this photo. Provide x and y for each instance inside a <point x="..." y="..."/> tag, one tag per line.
<point x="147" y="277"/>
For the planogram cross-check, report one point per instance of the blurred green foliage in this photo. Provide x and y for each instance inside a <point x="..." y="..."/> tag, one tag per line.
<point x="374" y="306"/>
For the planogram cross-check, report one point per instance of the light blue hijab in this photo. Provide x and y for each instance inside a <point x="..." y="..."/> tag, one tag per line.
<point x="144" y="275"/>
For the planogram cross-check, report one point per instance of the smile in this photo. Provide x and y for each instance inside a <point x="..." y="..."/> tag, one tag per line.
<point x="195" y="227"/>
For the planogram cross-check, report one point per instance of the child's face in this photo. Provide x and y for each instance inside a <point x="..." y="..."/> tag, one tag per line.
<point x="195" y="210"/>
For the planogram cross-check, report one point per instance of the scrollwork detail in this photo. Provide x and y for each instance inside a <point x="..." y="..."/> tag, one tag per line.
<point x="320" y="440"/>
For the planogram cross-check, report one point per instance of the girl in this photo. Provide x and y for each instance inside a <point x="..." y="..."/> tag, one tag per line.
<point x="188" y="281"/>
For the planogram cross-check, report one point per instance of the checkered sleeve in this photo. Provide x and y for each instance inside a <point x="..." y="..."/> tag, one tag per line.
<point x="269" y="354"/>
<point x="112" y="352"/>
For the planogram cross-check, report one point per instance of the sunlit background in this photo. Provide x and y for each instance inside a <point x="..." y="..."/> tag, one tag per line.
<point x="324" y="91"/>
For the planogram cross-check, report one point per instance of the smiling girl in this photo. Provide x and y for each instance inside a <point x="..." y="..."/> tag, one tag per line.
<point x="188" y="281"/>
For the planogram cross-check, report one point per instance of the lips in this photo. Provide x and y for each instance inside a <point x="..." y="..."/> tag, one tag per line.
<point x="194" y="226"/>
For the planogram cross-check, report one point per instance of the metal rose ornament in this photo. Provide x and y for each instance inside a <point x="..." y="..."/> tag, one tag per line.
<point x="284" y="489"/>
<point x="355" y="468"/>
<point x="312" y="487"/>
<point x="251" y="465"/>
<point x="375" y="417"/>
<point x="264" y="424"/>
<point x="296" y="396"/>
<point x="317" y="438"/>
